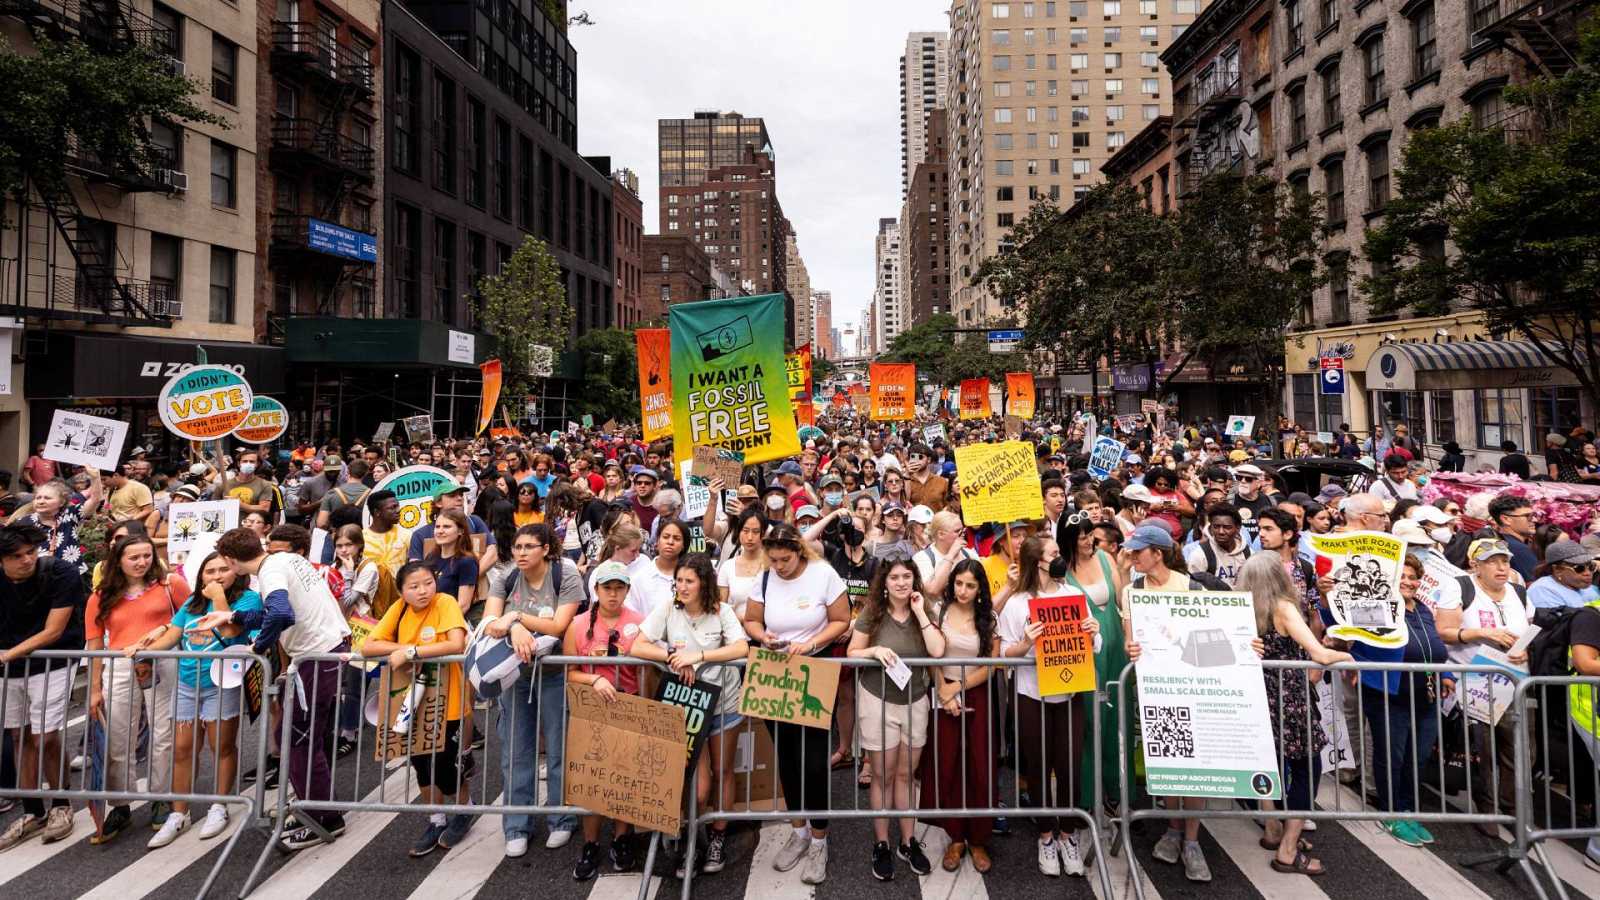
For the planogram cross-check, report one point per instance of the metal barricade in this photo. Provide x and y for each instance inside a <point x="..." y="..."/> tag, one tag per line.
<point x="138" y="709"/>
<point x="1484" y="780"/>
<point x="1558" y="750"/>
<point x="998" y="702"/>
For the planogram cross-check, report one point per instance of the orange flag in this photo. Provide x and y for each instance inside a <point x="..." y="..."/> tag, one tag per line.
<point x="655" y="381"/>
<point x="1019" y="394"/>
<point x="491" y="393"/>
<point x="975" y="398"/>
<point x="894" y="387"/>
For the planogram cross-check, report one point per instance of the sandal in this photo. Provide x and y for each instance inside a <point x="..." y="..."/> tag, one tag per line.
<point x="840" y="760"/>
<point x="864" y="780"/>
<point x="1305" y="845"/>
<point x="1301" y="866"/>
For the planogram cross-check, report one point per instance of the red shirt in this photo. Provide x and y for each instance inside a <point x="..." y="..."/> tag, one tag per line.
<point x="591" y="638"/>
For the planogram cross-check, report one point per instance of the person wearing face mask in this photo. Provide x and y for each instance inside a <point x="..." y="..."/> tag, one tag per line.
<point x="774" y="499"/>
<point x="253" y="492"/>
<point x="832" y="492"/>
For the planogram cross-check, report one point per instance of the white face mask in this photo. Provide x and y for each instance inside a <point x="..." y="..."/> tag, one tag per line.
<point x="247" y="468"/>
<point x="1441" y="535"/>
<point x="774" y="503"/>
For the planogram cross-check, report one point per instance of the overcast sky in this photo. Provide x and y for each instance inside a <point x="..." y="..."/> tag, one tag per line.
<point x="824" y="74"/>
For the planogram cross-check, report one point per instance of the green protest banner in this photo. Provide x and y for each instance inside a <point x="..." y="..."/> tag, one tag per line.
<point x="729" y="384"/>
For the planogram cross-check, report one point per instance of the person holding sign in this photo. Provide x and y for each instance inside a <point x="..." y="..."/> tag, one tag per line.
<point x="609" y="629"/>
<point x="703" y="638"/>
<point x="892" y="705"/>
<point x="797" y="607"/>
<point x="1050" y="728"/>
<point x="1093" y="572"/>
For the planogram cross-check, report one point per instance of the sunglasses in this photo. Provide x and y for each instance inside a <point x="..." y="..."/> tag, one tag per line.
<point x="1580" y="568"/>
<point x="611" y="642"/>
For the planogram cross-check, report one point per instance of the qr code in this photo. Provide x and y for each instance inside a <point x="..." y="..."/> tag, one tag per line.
<point x="1169" y="732"/>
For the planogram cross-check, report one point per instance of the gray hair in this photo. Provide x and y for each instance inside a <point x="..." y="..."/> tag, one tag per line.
<point x="1264" y="578"/>
<point x="666" y="497"/>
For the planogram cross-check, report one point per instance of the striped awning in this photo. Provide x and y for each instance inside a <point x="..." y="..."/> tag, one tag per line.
<point x="1464" y="365"/>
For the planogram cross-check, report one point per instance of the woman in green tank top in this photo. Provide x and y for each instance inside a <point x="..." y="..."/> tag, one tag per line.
<point x="1091" y="571"/>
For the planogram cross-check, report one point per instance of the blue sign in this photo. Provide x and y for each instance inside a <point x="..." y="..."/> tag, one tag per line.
<point x="1332" y="375"/>
<point x="340" y="241"/>
<point x="1005" y="336"/>
<point x="1105" y="456"/>
<point x="1134" y="379"/>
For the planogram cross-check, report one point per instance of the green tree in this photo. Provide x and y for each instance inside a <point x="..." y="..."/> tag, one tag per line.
<point x="1517" y="201"/>
<point x="943" y="356"/>
<point x="524" y="306"/>
<point x="67" y="100"/>
<point x="822" y="369"/>
<point x="610" y="358"/>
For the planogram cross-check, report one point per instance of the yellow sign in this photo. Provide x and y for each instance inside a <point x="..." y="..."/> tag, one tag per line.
<point x="999" y="483"/>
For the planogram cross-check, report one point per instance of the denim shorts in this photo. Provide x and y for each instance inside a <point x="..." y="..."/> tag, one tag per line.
<point x="724" y="721"/>
<point x="207" y="701"/>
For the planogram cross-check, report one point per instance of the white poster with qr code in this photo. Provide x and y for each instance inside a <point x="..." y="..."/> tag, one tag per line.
<point x="1202" y="703"/>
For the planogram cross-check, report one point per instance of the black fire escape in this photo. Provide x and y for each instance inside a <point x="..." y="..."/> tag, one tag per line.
<point x="89" y="289"/>
<point x="1543" y="32"/>
<point x="340" y="168"/>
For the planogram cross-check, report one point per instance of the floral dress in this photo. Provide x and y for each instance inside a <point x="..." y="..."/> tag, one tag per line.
<point x="1290" y="703"/>
<point x="62" y="540"/>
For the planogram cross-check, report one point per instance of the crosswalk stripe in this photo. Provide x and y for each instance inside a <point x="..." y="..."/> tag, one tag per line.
<point x="156" y="867"/>
<point x="18" y="860"/>
<point x="623" y="887"/>
<point x="1240" y="840"/>
<point x="963" y="884"/>
<point x="765" y="882"/>
<point x="1417" y="865"/>
<point x="1121" y="876"/>
<point x="307" y="871"/>
<point x="1570" y="867"/>
<point x="469" y="865"/>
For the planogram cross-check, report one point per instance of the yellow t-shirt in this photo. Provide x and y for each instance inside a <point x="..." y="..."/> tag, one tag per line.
<point x="387" y="549"/>
<point x="404" y="625"/>
<point x="531" y="517"/>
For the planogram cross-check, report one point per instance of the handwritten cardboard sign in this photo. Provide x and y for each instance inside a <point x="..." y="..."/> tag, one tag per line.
<point x="795" y="689"/>
<point x="1064" y="654"/>
<point x="999" y="482"/>
<point x="715" y="462"/>
<point x="411" y="712"/>
<point x="625" y="758"/>
<point x="699" y="701"/>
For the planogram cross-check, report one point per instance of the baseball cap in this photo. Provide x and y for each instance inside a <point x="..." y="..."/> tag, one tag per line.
<point x="1138" y="493"/>
<point x="790" y="468"/>
<point x="1134" y="459"/>
<point x="332" y="462"/>
<point x="1429" y="514"/>
<point x="646" y="471"/>
<point x="808" y="511"/>
<point x="1570" y="552"/>
<point x="748" y="492"/>
<point x="447" y="488"/>
<point x="1330" y="493"/>
<point x="1248" y="469"/>
<point x="890" y="506"/>
<point x="611" y="570"/>
<point x="1485" y="548"/>
<point x="199" y="469"/>
<point x="920" y="514"/>
<point x="831" y="478"/>
<point x="1149" y="536"/>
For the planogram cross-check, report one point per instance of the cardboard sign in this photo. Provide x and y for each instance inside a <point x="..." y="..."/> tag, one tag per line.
<point x="267" y="422"/>
<point x="1013" y="426"/>
<point x="699" y="702"/>
<point x="419" y="428"/>
<point x="205" y="402"/>
<point x="713" y="462"/>
<point x="625" y="758"/>
<point x="1104" y="456"/>
<point x="186" y="522"/>
<point x="84" y="440"/>
<point x="608" y="426"/>
<point x="1149" y="406"/>
<point x="1064" y="655"/>
<point x="1240" y="426"/>
<point x="384" y="432"/>
<point x="755" y="771"/>
<point x="999" y="482"/>
<point x="799" y="690"/>
<point x="411" y="712"/>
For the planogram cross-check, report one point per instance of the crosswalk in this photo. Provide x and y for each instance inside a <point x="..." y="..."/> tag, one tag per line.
<point x="1361" y="857"/>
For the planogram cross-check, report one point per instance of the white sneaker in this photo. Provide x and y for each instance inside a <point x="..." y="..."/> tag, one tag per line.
<point x="557" y="840"/>
<point x="792" y="851"/>
<point x="1071" y="856"/>
<point x="516" y="846"/>
<point x="1049" y="859"/>
<point x="176" y="823"/>
<point x="76" y="764"/>
<point x="216" y="822"/>
<point x="815" y="870"/>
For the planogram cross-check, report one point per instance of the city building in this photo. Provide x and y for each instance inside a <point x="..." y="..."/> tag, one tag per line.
<point x="688" y="149"/>
<point x="798" y="281"/>
<point x="924" y="230"/>
<point x="675" y="270"/>
<point x="924" y="87"/>
<point x="1146" y="163"/>
<point x="633" y="307"/>
<point x="826" y="341"/>
<point x="479" y="139"/>
<point x="866" y="343"/>
<point x="112" y="285"/>
<point x="1041" y="94"/>
<point x="888" y="297"/>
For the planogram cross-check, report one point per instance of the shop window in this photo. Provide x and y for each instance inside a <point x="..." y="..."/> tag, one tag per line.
<point x="1555" y="409"/>
<point x="1442" y="424"/>
<point x="1499" y="416"/>
<point x="1404" y="408"/>
<point x="1332" y="413"/>
<point x="1305" y="401"/>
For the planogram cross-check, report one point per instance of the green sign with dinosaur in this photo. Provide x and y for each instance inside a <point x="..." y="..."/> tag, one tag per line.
<point x="795" y="689"/>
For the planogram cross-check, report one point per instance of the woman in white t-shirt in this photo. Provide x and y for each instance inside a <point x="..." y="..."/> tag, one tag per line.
<point x="798" y="607"/>
<point x="655" y="584"/>
<point x="704" y="641"/>
<point x="738" y="573"/>
<point x="1051" y="728"/>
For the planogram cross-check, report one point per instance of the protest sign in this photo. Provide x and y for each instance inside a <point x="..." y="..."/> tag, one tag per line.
<point x="489" y="396"/>
<point x="999" y="482"/>
<point x="1240" y="426"/>
<point x="186" y="522"/>
<point x="841" y="400"/>
<point x="711" y="462"/>
<point x="696" y="493"/>
<point x="80" y="439"/>
<point x="1149" y="407"/>
<point x="410" y="712"/>
<point x="1439" y="581"/>
<point x="1365" y="600"/>
<point x="1019" y="394"/>
<point x="205" y="402"/>
<point x="573" y="428"/>
<point x="862" y="404"/>
<point x="699" y="702"/>
<point x="267" y="422"/>
<point x="935" y="433"/>
<point x="608" y="426"/>
<point x="655" y="382"/>
<point x="360" y="629"/>
<point x="625" y="758"/>
<point x="1488" y="696"/>
<point x="588" y="421"/>
<point x="1013" y="426"/>
<point x="797" y="373"/>
<point x="729" y="386"/>
<point x="1202" y="701"/>
<point x="419" y="428"/>
<point x="805" y="413"/>
<point x="799" y="690"/>
<point x="413" y="486"/>
<point x="894" y="391"/>
<point x="1104" y="456"/>
<point x="384" y="432"/>
<point x="1325" y="438"/>
<point x="975" y="398"/>
<point x="1064" y="654"/>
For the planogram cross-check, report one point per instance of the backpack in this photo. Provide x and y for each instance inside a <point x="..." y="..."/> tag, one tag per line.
<point x="385" y="593"/>
<point x="1203" y="579"/>
<point x="1548" y="652"/>
<point x="1211" y="556"/>
<point x="1469" y="592"/>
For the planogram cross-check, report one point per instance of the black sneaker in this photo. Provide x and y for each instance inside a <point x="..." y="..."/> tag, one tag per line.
<point x="344" y="747"/>
<point x="306" y="836"/>
<point x="622" y="853"/>
<point x="158" y="814"/>
<point x="429" y="840"/>
<point x="117" y="819"/>
<point x="716" y="853"/>
<point x="1002" y="825"/>
<point x="268" y="777"/>
<point x="882" y="862"/>
<point x="588" y="863"/>
<point x="913" y="855"/>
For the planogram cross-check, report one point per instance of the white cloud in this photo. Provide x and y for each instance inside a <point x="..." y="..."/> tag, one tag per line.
<point x="824" y="74"/>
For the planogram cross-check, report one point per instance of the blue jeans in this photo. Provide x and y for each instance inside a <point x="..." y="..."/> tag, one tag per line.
<point x="1395" y="757"/>
<point x="520" y="707"/>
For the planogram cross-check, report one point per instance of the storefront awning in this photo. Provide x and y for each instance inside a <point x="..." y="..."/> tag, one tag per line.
<point x="1463" y="365"/>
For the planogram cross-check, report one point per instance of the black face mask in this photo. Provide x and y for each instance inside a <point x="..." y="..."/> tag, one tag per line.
<point x="852" y="535"/>
<point x="1059" y="568"/>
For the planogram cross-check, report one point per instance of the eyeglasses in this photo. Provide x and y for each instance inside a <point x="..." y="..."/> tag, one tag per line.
<point x="527" y="490"/>
<point x="643" y="481"/>
<point x="1580" y="568"/>
<point x="1518" y="515"/>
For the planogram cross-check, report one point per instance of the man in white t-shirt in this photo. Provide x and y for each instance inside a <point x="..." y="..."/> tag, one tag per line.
<point x="300" y="614"/>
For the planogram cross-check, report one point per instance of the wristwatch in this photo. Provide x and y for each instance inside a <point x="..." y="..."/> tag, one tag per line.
<point x="411" y="653"/>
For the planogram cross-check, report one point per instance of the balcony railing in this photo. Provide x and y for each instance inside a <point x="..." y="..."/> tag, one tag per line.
<point x="1212" y="90"/>
<point x="104" y="24"/>
<point x="163" y="172"/>
<point x="64" y="292"/>
<point x="307" y="137"/>
<point x="1546" y="29"/>
<point x="321" y="55"/>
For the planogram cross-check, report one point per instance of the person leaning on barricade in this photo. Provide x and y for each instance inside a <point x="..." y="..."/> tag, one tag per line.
<point x="41" y="598"/>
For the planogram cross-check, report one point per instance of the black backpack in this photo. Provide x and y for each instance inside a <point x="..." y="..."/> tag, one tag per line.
<point x="1548" y="653"/>
<point x="1211" y="555"/>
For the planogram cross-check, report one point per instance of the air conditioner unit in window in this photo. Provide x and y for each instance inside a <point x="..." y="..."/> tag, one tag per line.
<point x="178" y="181"/>
<point x="176" y="66"/>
